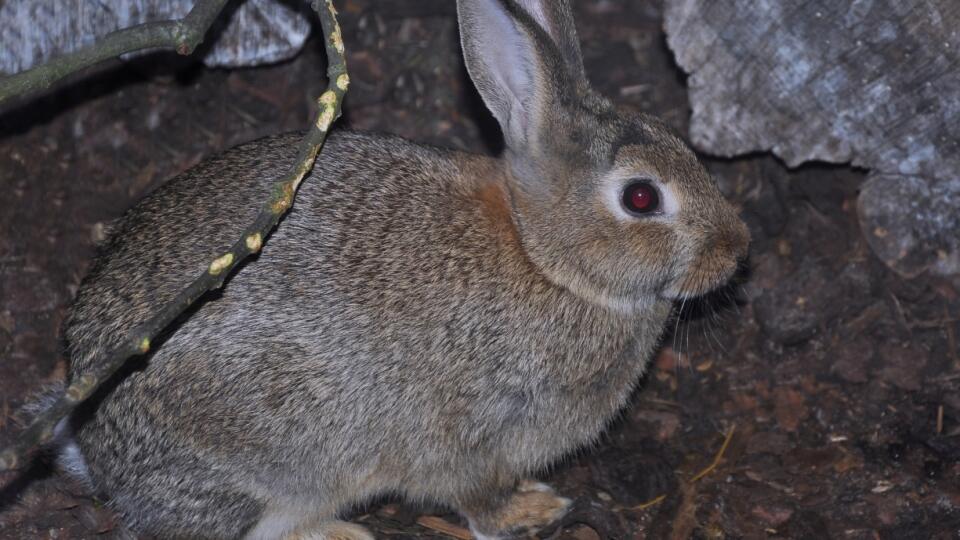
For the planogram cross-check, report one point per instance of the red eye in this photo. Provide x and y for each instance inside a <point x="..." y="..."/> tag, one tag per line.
<point x="641" y="197"/>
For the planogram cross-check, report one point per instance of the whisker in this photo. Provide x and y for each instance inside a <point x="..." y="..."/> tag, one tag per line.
<point x="676" y="330"/>
<point x="707" y="336"/>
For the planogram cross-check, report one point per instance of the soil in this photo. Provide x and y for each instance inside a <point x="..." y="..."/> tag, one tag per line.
<point x="818" y="401"/>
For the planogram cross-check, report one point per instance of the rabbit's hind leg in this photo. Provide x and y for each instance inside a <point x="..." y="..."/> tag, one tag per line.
<point x="191" y="512"/>
<point x="529" y="508"/>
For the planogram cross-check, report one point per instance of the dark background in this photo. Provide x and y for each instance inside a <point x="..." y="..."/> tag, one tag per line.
<point x="831" y="370"/>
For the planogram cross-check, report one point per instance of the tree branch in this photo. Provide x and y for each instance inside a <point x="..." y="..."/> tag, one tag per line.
<point x="182" y="35"/>
<point x="41" y="429"/>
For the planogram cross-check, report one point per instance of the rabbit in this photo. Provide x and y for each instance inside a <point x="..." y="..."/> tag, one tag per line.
<point x="424" y="323"/>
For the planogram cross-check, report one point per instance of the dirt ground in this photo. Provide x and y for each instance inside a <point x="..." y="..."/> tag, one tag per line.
<point x="822" y="404"/>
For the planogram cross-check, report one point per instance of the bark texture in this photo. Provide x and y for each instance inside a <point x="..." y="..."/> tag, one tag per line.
<point x="873" y="83"/>
<point x="253" y="31"/>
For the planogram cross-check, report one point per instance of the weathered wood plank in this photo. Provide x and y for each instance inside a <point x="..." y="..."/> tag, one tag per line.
<point x="874" y="83"/>
<point x="256" y="32"/>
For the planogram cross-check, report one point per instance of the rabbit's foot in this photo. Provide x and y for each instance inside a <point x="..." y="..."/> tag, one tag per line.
<point x="332" y="530"/>
<point x="531" y="507"/>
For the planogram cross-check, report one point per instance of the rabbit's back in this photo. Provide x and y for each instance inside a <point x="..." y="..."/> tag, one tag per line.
<point x="368" y="195"/>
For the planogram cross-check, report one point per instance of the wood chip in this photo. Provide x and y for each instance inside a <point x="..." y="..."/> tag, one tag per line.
<point x="439" y="525"/>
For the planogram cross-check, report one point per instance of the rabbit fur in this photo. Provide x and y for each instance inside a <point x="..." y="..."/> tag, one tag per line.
<point x="424" y="322"/>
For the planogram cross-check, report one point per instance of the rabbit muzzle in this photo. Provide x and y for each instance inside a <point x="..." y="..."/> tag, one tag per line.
<point x="719" y="258"/>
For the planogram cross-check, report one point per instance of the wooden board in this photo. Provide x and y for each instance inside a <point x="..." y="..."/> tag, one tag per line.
<point x="873" y="83"/>
<point x="248" y="33"/>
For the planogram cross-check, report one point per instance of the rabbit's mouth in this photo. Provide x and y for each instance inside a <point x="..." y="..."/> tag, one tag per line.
<point x="722" y="255"/>
<point x="704" y="277"/>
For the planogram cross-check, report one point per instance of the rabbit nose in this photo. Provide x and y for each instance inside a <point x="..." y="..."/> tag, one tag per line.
<point x="730" y="240"/>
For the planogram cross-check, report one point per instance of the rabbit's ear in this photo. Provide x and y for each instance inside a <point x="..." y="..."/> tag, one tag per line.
<point x="522" y="55"/>
<point x="556" y="18"/>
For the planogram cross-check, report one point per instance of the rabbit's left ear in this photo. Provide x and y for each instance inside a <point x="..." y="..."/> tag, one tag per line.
<point x="523" y="56"/>
<point x="555" y="17"/>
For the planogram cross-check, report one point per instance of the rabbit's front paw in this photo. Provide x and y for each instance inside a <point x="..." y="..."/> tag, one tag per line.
<point x="533" y="506"/>
<point x="333" y="530"/>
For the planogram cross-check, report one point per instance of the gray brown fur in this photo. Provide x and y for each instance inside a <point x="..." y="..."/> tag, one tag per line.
<point x="424" y="322"/>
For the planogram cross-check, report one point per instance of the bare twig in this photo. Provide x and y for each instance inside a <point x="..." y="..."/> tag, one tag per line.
<point x="182" y="35"/>
<point x="138" y="341"/>
<point x="716" y="459"/>
<point x="687" y="487"/>
<point x="685" y="520"/>
<point x="652" y="502"/>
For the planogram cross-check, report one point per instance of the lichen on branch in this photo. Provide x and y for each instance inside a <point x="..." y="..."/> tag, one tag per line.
<point x="40" y="431"/>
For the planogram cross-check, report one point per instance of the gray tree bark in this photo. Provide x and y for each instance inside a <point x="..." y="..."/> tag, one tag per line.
<point x="873" y="83"/>
<point x="257" y="32"/>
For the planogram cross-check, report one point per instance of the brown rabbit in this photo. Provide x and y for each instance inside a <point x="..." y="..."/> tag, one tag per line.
<point x="424" y="322"/>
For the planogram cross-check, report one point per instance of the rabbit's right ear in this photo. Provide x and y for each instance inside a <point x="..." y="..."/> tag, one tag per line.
<point x="522" y="55"/>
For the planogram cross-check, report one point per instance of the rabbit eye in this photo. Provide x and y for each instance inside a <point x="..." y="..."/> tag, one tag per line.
<point x="640" y="197"/>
